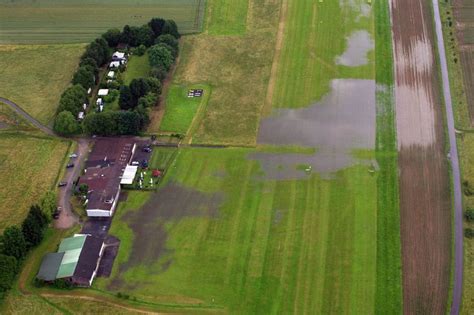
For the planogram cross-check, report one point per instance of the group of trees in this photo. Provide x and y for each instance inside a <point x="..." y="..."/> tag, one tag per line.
<point x="160" y="36"/>
<point x="17" y="241"/>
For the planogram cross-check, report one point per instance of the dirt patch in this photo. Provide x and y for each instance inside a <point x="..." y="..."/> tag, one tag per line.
<point x="359" y="44"/>
<point x="425" y="206"/>
<point x="170" y="204"/>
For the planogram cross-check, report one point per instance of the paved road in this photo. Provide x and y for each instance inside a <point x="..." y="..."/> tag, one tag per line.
<point x="68" y="218"/>
<point x="27" y="116"/>
<point x="458" y="229"/>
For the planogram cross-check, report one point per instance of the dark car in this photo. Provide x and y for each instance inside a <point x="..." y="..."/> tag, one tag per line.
<point x="62" y="184"/>
<point x="144" y="164"/>
<point x="70" y="165"/>
<point x="146" y="149"/>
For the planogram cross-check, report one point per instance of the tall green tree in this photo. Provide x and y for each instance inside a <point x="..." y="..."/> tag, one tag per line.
<point x="156" y="25"/>
<point x="65" y="124"/>
<point x="170" y="27"/>
<point x="34" y="225"/>
<point x="160" y="56"/>
<point x="112" y="36"/>
<point x="8" y="272"/>
<point x="48" y="203"/>
<point x="13" y="243"/>
<point x="84" y="76"/>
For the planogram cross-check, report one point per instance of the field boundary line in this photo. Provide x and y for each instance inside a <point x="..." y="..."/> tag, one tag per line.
<point x="267" y="105"/>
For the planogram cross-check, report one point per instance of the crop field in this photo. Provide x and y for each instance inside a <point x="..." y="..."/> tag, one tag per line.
<point x="64" y="21"/>
<point x="181" y="110"/>
<point x="28" y="168"/>
<point x="464" y="27"/>
<point x="35" y="76"/>
<point x="425" y="201"/>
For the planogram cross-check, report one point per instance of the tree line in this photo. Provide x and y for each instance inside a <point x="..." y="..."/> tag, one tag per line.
<point x="17" y="241"/>
<point x="160" y="38"/>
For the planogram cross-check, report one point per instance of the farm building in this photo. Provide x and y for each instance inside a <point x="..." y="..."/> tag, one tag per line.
<point x="77" y="261"/>
<point x="114" y="64"/>
<point x="111" y="74"/>
<point x="104" y="170"/>
<point x="119" y="56"/>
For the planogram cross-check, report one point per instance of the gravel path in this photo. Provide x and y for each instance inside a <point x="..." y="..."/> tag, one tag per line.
<point x="458" y="233"/>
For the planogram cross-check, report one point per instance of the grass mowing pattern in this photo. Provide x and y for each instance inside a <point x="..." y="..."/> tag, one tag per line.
<point x="66" y="21"/>
<point x="227" y="17"/>
<point x="180" y="109"/>
<point x="237" y="68"/>
<point x="35" y="76"/>
<point x="312" y="41"/>
<point x="28" y="168"/>
<point x="137" y="67"/>
<point x="389" y="278"/>
<point x="305" y="246"/>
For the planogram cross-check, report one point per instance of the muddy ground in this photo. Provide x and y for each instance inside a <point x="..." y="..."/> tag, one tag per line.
<point x="425" y="206"/>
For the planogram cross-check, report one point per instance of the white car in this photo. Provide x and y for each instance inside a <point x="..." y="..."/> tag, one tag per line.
<point x="73" y="156"/>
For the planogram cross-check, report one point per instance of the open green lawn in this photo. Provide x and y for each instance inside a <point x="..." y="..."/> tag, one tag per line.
<point x="228" y="17"/>
<point x="29" y="167"/>
<point x="269" y="246"/>
<point x="181" y="110"/>
<point x="66" y="21"/>
<point x="35" y="76"/>
<point x="137" y="67"/>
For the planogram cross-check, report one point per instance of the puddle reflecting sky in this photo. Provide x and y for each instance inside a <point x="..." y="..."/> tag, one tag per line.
<point x="359" y="44"/>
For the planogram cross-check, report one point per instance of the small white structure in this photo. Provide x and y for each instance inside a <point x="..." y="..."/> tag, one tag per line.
<point x="89" y="91"/>
<point x="111" y="74"/>
<point x="80" y="116"/>
<point x="101" y="108"/>
<point x="99" y="101"/>
<point x="84" y="106"/>
<point x="114" y="64"/>
<point x="118" y="56"/>
<point x="129" y="175"/>
<point x="103" y="92"/>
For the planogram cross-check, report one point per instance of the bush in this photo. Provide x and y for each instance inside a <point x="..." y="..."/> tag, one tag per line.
<point x="112" y="96"/>
<point x="469" y="233"/>
<point x="8" y="271"/>
<point x="169" y="40"/>
<point x="159" y="73"/>
<point x="13" y="243"/>
<point x="84" y="76"/>
<point x="467" y="189"/>
<point x="148" y="100"/>
<point x="140" y="50"/>
<point x="112" y="37"/>
<point x="34" y="226"/>
<point x="73" y="99"/>
<point x="469" y="215"/>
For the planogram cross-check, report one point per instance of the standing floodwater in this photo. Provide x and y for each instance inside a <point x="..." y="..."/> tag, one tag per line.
<point x="337" y="126"/>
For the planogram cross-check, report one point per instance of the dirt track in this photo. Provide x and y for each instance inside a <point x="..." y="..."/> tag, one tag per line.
<point x="424" y="179"/>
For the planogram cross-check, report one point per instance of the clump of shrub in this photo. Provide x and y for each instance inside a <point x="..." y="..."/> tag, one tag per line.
<point x="469" y="233"/>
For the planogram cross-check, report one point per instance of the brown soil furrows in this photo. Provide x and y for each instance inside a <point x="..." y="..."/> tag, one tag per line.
<point x="425" y="214"/>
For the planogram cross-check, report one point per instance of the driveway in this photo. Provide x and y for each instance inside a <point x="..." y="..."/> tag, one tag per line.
<point x="67" y="217"/>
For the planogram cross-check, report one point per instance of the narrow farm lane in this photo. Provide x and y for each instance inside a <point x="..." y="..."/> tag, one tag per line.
<point x="27" y="116"/>
<point x="67" y="217"/>
<point x="456" y="177"/>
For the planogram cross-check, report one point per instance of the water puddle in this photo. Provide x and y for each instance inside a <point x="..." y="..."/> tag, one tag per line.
<point x="343" y="121"/>
<point x="359" y="44"/>
<point x="360" y="6"/>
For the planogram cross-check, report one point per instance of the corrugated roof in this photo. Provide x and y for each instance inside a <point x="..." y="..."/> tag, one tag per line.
<point x="50" y="266"/>
<point x="71" y="248"/>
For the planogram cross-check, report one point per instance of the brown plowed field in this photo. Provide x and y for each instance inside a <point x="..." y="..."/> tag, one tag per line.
<point x="464" y="22"/>
<point x="424" y="179"/>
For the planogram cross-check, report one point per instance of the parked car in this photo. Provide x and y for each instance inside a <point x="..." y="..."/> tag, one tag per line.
<point x="144" y="163"/>
<point x="70" y="165"/>
<point x="73" y="156"/>
<point x="62" y="184"/>
<point x="146" y="149"/>
<point x="135" y="163"/>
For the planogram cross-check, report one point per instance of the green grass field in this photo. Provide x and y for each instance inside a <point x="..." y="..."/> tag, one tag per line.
<point x="64" y="21"/>
<point x="227" y="17"/>
<point x="137" y="67"/>
<point x="181" y="110"/>
<point x="312" y="41"/>
<point x="29" y="167"/>
<point x="237" y="68"/>
<point x="35" y="76"/>
<point x="273" y="247"/>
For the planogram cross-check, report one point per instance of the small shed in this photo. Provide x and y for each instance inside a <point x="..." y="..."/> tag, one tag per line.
<point x="118" y="55"/>
<point x="103" y="92"/>
<point x="80" y="116"/>
<point x="111" y="74"/>
<point x="99" y="101"/>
